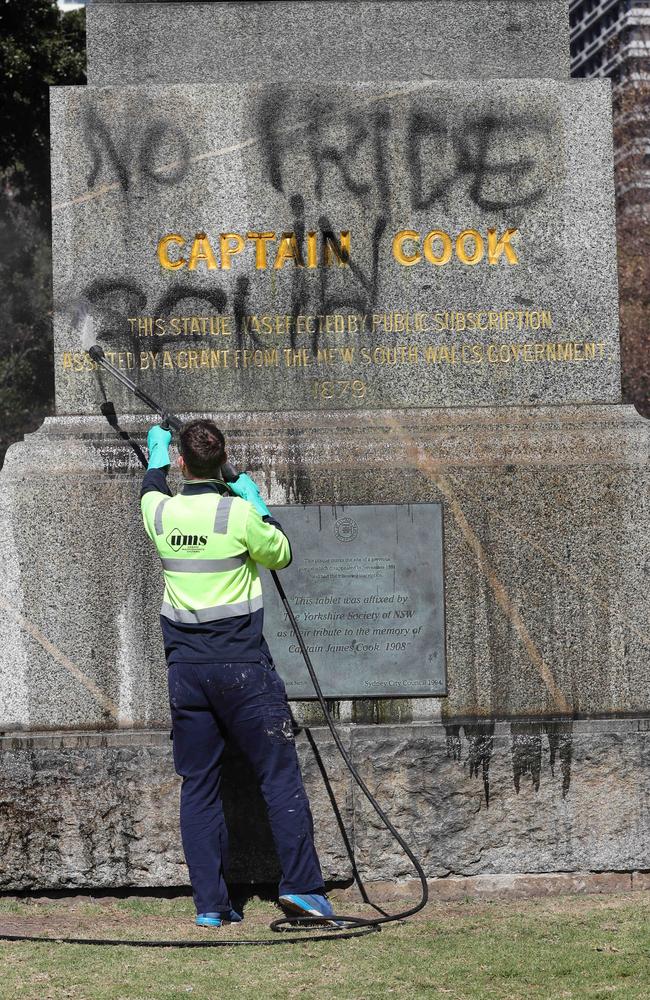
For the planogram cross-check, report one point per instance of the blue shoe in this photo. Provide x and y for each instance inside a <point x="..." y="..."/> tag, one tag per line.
<point x="217" y="919"/>
<point x="307" y="905"/>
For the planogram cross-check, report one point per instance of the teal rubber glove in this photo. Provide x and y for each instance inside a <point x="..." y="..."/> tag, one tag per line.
<point x="246" y="488"/>
<point x="158" y="442"/>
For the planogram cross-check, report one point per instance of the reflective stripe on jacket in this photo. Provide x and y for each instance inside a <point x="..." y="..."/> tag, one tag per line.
<point x="209" y="544"/>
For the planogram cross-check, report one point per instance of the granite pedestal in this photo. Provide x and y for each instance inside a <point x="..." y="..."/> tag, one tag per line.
<point x="487" y="382"/>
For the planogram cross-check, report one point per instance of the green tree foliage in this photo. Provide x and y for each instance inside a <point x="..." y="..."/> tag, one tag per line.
<point x="39" y="47"/>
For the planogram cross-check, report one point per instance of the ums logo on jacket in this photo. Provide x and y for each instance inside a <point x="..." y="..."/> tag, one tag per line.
<point x="213" y="573"/>
<point x="193" y="543"/>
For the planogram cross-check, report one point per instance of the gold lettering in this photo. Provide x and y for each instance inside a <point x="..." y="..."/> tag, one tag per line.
<point x="163" y="256"/>
<point x="261" y="239"/>
<point x="497" y="247"/>
<point x="229" y="245"/>
<point x="201" y="250"/>
<point x="440" y="352"/>
<point x="399" y="253"/>
<point x="288" y="250"/>
<point x="479" y="247"/>
<point x="312" y="251"/>
<point x="336" y="251"/>
<point x="305" y="324"/>
<point x="445" y="239"/>
<point x="296" y="359"/>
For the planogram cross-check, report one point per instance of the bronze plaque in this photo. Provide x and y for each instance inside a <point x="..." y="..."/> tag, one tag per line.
<point x="367" y="587"/>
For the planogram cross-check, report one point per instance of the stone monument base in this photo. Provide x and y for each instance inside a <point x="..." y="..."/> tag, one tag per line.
<point x="535" y="761"/>
<point x="100" y="810"/>
<point x="544" y="512"/>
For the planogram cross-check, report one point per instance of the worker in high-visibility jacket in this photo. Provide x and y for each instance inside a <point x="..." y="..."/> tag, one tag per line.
<point x="222" y="681"/>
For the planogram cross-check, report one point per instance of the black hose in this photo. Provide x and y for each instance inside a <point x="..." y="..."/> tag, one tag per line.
<point x="360" y="925"/>
<point x="336" y="933"/>
<point x="374" y="921"/>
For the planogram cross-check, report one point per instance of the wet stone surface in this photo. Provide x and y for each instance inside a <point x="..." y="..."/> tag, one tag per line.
<point x="90" y="811"/>
<point x="544" y="517"/>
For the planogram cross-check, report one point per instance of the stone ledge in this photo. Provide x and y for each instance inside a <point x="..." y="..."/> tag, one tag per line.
<point x="434" y="439"/>
<point x="519" y="885"/>
<point x="500" y="731"/>
<point x="545" y="514"/>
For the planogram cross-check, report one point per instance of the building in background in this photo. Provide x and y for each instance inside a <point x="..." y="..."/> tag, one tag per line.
<point x="611" y="38"/>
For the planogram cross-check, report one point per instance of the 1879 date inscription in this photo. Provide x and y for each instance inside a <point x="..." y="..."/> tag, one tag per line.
<point x="367" y="588"/>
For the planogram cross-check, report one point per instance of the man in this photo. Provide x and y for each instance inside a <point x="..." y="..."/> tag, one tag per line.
<point x="222" y="682"/>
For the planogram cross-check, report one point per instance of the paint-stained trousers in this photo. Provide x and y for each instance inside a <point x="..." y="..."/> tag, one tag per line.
<point x="245" y="704"/>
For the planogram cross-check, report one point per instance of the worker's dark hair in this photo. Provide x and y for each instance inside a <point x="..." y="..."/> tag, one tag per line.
<point x="203" y="448"/>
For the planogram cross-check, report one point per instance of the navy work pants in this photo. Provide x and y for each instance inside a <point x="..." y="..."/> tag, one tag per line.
<point x="246" y="704"/>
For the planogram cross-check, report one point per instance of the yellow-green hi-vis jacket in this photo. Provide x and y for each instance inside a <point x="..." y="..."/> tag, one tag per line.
<point x="209" y="544"/>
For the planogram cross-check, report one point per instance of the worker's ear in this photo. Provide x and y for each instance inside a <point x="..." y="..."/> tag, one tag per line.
<point x="181" y="465"/>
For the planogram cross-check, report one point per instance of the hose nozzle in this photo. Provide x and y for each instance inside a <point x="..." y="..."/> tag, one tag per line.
<point x="97" y="353"/>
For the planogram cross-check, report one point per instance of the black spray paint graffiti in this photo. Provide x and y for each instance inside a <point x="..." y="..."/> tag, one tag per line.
<point x="495" y="184"/>
<point x="491" y="149"/>
<point x="111" y="302"/>
<point x="480" y="741"/>
<point x="117" y="299"/>
<point x="361" y="290"/>
<point x="526" y="750"/>
<point x="161" y="153"/>
<point x="436" y="154"/>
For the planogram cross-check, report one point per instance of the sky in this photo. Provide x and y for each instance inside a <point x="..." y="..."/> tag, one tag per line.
<point x="69" y="4"/>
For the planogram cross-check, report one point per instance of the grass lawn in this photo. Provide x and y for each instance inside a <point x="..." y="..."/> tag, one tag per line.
<point x="559" y="947"/>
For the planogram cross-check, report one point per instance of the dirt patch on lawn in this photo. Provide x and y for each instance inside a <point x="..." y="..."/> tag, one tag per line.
<point x="104" y="918"/>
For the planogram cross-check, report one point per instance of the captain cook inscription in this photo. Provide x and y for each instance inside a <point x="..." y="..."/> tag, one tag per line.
<point x="368" y="594"/>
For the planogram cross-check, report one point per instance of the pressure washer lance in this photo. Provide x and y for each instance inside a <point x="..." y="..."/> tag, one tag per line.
<point x="168" y="420"/>
<point x="359" y="925"/>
